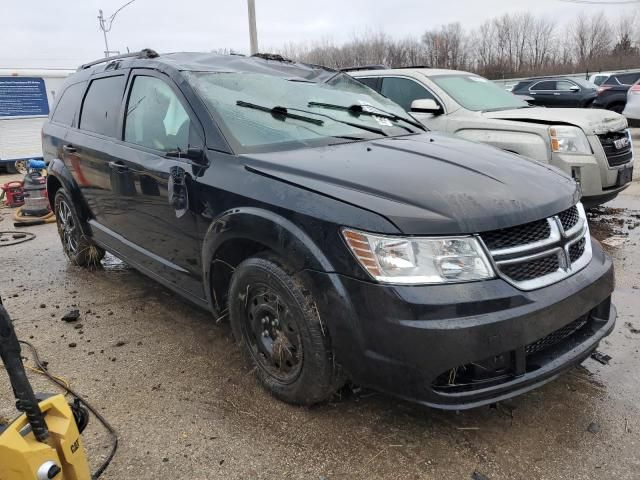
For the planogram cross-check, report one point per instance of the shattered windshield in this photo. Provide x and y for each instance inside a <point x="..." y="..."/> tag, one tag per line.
<point x="477" y="93"/>
<point x="281" y="109"/>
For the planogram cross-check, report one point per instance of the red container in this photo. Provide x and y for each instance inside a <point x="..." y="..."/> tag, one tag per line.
<point x="14" y="193"/>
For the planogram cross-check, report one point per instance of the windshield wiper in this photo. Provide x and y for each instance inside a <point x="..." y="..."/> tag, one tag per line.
<point x="360" y="110"/>
<point x="280" y="113"/>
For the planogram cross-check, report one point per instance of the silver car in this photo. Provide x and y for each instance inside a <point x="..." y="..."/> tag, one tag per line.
<point x="632" y="110"/>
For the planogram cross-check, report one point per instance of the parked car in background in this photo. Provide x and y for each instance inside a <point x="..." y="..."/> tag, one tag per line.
<point x="581" y="142"/>
<point x="557" y="92"/>
<point x="341" y="240"/>
<point x="599" y="78"/>
<point x="612" y="94"/>
<point x="25" y="97"/>
<point x="632" y="109"/>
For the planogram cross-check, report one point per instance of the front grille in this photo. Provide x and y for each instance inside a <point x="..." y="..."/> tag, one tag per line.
<point x="539" y="253"/>
<point x="516" y="236"/>
<point x="523" y="271"/>
<point x="617" y="156"/>
<point x="569" y="218"/>
<point x="577" y="250"/>
<point x="556" y="337"/>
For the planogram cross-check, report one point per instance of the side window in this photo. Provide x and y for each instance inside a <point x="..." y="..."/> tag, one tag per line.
<point x="155" y="118"/>
<point x="404" y="91"/>
<point x="628" y="78"/>
<point x="371" y="82"/>
<point x="101" y="106"/>
<point x="564" y="85"/>
<point x="68" y="104"/>
<point x="544" y="85"/>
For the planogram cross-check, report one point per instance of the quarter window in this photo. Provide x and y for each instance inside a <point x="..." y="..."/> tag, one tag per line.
<point x="101" y="106"/>
<point x="370" y="82"/>
<point x="155" y="117"/>
<point x="404" y="91"/>
<point x="67" y="107"/>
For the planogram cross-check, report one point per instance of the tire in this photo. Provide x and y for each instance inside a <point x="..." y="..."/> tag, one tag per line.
<point x="293" y="359"/>
<point x="77" y="246"/>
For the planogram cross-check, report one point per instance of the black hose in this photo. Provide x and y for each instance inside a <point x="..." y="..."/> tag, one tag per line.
<point x="101" y="419"/>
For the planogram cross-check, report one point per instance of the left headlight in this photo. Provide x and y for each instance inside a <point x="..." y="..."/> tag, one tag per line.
<point x="567" y="139"/>
<point x="418" y="261"/>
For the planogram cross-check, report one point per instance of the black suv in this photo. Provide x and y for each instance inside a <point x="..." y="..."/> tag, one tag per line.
<point x="557" y="92"/>
<point x="342" y="240"/>
<point x="612" y="94"/>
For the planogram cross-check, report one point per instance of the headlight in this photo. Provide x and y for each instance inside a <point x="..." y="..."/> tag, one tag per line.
<point x="416" y="261"/>
<point x="566" y="139"/>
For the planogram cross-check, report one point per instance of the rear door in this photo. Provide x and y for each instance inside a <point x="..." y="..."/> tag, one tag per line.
<point x="150" y="223"/>
<point x="88" y="144"/>
<point x="544" y="93"/>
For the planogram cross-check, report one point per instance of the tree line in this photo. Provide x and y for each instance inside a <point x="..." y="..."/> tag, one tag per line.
<point x="510" y="45"/>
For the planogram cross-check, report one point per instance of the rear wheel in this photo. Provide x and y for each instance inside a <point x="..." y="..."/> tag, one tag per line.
<point x="76" y="245"/>
<point x="278" y="327"/>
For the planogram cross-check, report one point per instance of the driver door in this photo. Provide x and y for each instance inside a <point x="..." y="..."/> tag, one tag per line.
<point x="404" y="91"/>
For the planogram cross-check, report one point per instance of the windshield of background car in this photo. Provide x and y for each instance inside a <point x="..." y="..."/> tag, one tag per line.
<point x="477" y="93"/>
<point x="250" y="130"/>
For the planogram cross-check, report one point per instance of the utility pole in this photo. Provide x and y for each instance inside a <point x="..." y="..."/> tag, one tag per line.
<point x="107" y="23"/>
<point x="104" y="32"/>
<point x="253" y="32"/>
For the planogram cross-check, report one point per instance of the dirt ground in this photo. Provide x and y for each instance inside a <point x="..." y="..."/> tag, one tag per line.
<point x="174" y="386"/>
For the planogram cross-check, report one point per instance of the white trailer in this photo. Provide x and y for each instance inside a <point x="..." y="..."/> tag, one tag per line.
<point x="26" y="96"/>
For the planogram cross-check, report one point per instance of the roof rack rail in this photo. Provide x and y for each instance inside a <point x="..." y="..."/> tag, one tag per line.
<point x="364" y="67"/>
<point x="414" y="66"/>
<point x="144" y="53"/>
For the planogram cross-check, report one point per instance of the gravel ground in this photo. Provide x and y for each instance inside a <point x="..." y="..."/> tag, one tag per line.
<point x="173" y="384"/>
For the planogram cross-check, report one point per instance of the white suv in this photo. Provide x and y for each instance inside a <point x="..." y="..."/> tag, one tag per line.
<point x="593" y="146"/>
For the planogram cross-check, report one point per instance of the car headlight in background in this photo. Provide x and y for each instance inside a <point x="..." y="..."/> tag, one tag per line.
<point x="566" y="139"/>
<point x="416" y="261"/>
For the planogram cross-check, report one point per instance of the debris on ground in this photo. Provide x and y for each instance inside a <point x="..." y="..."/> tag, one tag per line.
<point x="478" y="476"/>
<point x="602" y="358"/>
<point x="71" y="316"/>
<point x="631" y="328"/>
<point x="594" y="428"/>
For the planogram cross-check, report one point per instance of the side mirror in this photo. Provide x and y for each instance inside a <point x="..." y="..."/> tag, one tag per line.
<point x="426" y="105"/>
<point x="574" y="88"/>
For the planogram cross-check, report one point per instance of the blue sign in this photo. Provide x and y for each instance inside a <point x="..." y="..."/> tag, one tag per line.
<point x="23" y="96"/>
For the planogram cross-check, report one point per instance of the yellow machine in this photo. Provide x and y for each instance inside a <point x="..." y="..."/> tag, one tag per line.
<point x="44" y="442"/>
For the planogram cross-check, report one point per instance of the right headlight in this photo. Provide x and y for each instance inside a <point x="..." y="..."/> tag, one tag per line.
<point x="417" y="261"/>
<point x="567" y="139"/>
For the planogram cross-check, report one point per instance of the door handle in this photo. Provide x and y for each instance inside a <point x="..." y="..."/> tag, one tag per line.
<point x="69" y="149"/>
<point x="557" y="94"/>
<point x="118" y="166"/>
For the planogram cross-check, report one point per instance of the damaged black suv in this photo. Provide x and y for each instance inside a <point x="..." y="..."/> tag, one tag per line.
<point x="343" y="241"/>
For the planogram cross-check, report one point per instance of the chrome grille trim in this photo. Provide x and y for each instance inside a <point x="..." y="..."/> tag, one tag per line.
<point x="558" y="244"/>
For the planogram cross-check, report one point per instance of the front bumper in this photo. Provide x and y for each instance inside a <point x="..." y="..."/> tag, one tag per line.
<point x="437" y="345"/>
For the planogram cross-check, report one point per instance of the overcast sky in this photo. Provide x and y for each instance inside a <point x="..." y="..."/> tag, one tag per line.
<point x="64" y="33"/>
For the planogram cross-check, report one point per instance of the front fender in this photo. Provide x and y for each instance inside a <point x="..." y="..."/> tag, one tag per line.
<point x="58" y="175"/>
<point x="266" y="228"/>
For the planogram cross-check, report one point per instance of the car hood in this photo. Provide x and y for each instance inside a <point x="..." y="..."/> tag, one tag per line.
<point x="427" y="183"/>
<point x="591" y="121"/>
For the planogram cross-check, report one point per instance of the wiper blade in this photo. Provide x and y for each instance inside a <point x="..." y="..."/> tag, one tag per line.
<point x="357" y="109"/>
<point x="280" y="113"/>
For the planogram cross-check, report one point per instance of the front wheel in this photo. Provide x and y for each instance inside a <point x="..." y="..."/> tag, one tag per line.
<point x="76" y="245"/>
<point x="276" y="323"/>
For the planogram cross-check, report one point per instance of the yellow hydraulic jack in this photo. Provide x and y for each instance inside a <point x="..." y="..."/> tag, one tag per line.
<point x="44" y="442"/>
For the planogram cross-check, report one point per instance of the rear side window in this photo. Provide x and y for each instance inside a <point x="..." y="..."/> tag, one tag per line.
<point x="404" y="91"/>
<point x="546" y="85"/>
<point x="68" y="104"/>
<point x="101" y="106"/>
<point x="628" y="78"/>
